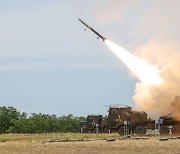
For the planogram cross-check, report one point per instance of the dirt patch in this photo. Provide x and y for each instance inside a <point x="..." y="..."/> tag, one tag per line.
<point x="118" y="146"/>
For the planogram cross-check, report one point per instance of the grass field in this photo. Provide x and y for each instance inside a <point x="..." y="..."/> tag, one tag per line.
<point x="39" y="143"/>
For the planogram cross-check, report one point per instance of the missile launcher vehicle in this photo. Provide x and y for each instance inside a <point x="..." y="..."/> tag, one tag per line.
<point x="118" y="118"/>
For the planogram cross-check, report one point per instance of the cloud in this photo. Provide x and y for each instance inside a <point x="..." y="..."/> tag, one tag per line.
<point x="114" y="10"/>
<point x="105" y="11"/>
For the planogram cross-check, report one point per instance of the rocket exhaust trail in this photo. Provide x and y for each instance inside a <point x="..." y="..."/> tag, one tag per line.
<point x="148" y="74"/>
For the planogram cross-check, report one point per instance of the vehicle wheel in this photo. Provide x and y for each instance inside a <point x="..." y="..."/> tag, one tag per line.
<point x="106" y="130"/>
<point x="175" y="129"/>
<point x="114" y="130"/>
<point x="121" y="130"/>
<point x="140" y="130"/>
<point x="85" y="131"/>
<point x="164" y="130"/>
<point x="94" y="130"/>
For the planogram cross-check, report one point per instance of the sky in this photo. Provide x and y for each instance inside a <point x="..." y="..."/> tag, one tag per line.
<point x="49" y="64"/>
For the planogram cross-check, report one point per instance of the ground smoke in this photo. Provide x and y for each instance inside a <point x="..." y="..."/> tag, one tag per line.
<point x="159" y="100"/>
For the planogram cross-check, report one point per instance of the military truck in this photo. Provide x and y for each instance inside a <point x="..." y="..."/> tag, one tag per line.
<point x="123" y="117"/>
<point x="119" y="118"/>
<point x="171" y="122"/>
<point x="82" y="127"/>
<point x="93" y="123"/>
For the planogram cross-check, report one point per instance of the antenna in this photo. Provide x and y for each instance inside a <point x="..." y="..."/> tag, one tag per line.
<point x="120" y="105"/>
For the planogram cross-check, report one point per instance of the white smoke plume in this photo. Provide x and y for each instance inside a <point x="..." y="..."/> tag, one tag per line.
<point x="160" y="23"/>
<point x="159" y="100"/>
<point x="157" y="24"/>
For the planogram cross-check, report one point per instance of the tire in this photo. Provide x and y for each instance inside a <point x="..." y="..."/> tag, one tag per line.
<point x="114" y="130"/>
<point x="140" y="130"/>
<point x="106" y="130"/>
<point x="121" y="130"/>
<point x="94" y="130"/>
<point x="175" y="129"/>
<point x="85" y="131"/>
<point x="164" y="130"/>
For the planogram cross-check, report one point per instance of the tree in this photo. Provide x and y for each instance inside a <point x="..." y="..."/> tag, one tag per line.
<point x="13" y="121"/>
<point x="7" y="117"/>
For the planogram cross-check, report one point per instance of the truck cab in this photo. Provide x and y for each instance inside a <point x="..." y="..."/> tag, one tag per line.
<point x="117" y="115"/>
<point x="93" y="123"/>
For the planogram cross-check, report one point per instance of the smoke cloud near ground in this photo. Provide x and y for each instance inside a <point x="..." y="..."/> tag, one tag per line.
<point x="159" y="100"/>
<point x="160" y="25"/>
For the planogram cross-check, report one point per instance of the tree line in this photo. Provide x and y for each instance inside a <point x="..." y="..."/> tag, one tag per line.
<point x="13" y="121"/>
